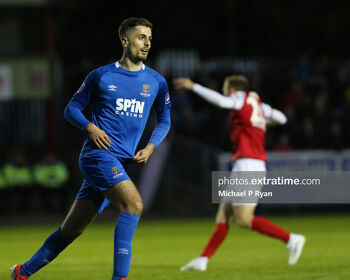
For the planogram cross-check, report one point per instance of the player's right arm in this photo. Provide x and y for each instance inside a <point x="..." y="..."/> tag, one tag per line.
<point x="226" y="102"/>
<point x="73" y="112"/>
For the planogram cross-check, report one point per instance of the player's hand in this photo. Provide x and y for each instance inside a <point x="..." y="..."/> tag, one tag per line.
<point x="98" y="136"/>
<point x="180" y="83"/>
<point x="143" y="155"/>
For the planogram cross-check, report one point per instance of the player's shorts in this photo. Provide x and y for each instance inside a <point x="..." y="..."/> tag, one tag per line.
<point x="101" y="172"/>
<point x="249" y="164"/>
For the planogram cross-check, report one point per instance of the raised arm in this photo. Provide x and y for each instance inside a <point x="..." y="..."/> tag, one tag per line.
<point x="226" y="102"/>
<point x="214" y="97"/>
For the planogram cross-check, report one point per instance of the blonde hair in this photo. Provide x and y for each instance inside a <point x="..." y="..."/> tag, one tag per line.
<point x="238" y="82"/>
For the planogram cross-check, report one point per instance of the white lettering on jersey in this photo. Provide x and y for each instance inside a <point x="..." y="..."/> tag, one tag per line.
<point x="139" y="107"/>
<point x="127" y="104"/>
<point x="257" y="118"/>
<point x="129" y="107"/>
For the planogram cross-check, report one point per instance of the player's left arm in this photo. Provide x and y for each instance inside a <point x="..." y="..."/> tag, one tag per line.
<point x="162" y="107"/>
<point x="273" y="116"/>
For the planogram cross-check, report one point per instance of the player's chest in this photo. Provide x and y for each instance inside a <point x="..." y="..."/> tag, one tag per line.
<point x="132" y="89"/>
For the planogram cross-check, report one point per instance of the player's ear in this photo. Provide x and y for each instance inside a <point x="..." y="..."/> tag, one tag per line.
<point x="124" y="41"/>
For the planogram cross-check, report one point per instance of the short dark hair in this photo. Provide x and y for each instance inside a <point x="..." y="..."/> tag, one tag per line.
<point x="131" y="23"/>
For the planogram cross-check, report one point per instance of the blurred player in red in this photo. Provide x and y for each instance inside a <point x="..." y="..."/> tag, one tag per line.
<point x="248" y="120"/>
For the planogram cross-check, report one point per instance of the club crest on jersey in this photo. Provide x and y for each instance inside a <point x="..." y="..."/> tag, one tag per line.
<point x="145" y="91"/>
<point x="112" y="88"/>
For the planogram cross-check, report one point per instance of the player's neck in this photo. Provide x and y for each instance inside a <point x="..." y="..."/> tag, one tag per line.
<point x="126" y="63"/>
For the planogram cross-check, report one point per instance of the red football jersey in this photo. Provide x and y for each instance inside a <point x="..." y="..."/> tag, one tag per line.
<point x="248" y="128"/>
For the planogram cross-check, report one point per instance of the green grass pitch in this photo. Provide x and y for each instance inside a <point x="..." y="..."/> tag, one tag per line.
<point x="161" y="247"/>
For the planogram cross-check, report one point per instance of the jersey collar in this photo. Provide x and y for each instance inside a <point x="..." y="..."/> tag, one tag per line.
<point x="118" y="66"/>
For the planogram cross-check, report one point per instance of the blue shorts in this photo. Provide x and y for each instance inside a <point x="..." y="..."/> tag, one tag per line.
<point x="101" y="172"/>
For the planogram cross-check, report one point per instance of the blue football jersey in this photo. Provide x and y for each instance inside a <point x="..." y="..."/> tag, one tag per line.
<point x="121" y="103"/>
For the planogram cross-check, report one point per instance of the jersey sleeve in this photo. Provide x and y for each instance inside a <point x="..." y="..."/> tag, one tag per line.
<point x="162" y="128"/>
<point x="73" y="111"/>
<point x="162" y="100"/>
<point x="273" y="116"/>
<point x="234" y="101"/>
<point x="238" y="100"/>
<point x="82" y="97"/>
<point x="267" y="109"/>
<point x="162" y="106"/>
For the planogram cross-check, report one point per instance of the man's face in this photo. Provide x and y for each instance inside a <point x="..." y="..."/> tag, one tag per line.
<point x="138" y="42"/>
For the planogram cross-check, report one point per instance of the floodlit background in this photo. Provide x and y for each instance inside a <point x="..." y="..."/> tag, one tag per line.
<point x="295" y="54"/>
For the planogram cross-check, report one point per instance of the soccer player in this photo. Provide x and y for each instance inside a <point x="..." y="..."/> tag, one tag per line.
<point x="248" y="125"/>
<point x="122" y="95"/>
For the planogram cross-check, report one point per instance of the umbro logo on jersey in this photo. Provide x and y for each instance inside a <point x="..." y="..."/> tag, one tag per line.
<point x="112" y="88"/>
